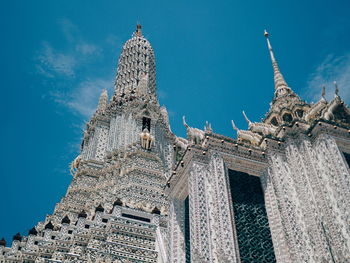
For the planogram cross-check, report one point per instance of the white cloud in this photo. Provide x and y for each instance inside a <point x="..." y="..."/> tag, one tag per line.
<point x="64" y="64"/>
<point x="87" y="49"/>
<point x="113" y="40"/>
<point x="69" y="30"/>
<point x="52" y="62"/>
<point x="83" y="100"/>
<point x="331" y="69"/>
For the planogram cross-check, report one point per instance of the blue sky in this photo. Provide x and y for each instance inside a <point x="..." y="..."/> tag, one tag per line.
<point x="212" y="63"/>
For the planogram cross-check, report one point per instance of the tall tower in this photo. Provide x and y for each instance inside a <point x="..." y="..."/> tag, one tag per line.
<point x="115" y="208"/>
<point x="277" y="193"/>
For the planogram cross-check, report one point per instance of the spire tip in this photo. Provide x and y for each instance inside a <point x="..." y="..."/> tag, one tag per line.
<point x="266" y="34"/>
<point x="138" y="30"/>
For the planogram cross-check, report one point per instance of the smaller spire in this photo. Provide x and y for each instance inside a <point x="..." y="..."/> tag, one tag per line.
<point x="281" y="86"/>
<point x="103" y="101"/>
<point x="336" y="92"/>
<point x="323" y="95"/>
<point x="138" y="30"/>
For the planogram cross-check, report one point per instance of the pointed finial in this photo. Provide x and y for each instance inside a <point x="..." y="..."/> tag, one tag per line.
<point x="323" y="92"/>
<point x="336" y="92"/>
<point x="138" y="30"/>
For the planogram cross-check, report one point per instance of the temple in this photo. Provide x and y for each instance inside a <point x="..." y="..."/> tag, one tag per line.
<point x="277" y="192"/>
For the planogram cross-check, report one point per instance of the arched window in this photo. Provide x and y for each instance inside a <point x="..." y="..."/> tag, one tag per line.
<point x="287" y="117"/>
<point x="146" y="123"/>
<point x="274" y="121"/>
<point x="299" y="113"/>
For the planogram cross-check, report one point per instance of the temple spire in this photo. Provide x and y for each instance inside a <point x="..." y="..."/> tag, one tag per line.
<point x="281" y="87"/>
<point x="136" y="73"/>
<point x="103" y="101"/>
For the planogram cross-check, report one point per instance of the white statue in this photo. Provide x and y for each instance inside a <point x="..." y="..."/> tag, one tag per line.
<point x="329" y="113"/>
<point x="334" y="104"/>
<point x="75" y="164"/>
<point x="196" y="136"/>
<point x="263" y="128"/>
<point x="249" y="136"/>
<point x="181" y="143"/>
<point x="146" y="139"/>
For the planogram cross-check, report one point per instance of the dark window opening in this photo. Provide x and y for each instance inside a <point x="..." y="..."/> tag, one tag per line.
<point x="287" y="117"/>
<point x="252" y="226"/>
<point x="347" y="158"/>
<point x="274" y="121"/>
<point x="341" y="114"/>
<point x="70" y="231"/>
<point x="87" y="226"/>
<point x="299" y="113"/>
<point x="104" y="220"/>
<point x="137" y="217"/>
<point x="187" y="231"/>
<point x="146" y="123"/>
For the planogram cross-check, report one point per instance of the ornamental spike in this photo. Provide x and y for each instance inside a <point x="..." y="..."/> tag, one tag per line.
<point x="323" y="92"/>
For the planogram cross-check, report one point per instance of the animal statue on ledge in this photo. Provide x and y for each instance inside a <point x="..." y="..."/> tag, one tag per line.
<point x="258" y="127"/>
<point x="248" y="136"/>
<point x="195" y="136"/>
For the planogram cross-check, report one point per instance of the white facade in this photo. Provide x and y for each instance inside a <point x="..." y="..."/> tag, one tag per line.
<point x="279" y="193"/>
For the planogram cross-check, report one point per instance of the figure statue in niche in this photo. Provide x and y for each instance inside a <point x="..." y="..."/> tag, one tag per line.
<point x="146" y="139"/>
